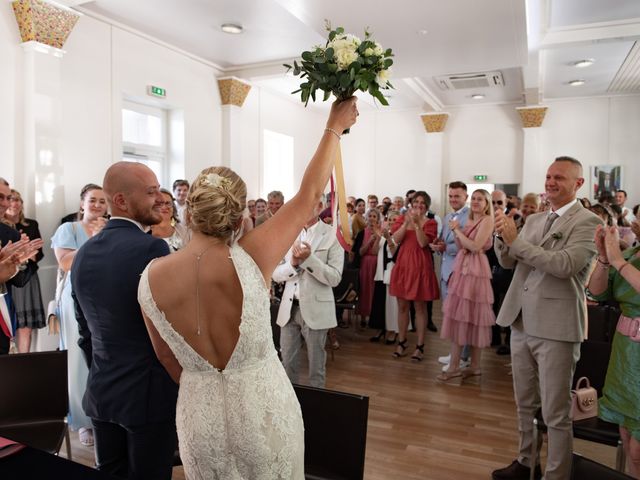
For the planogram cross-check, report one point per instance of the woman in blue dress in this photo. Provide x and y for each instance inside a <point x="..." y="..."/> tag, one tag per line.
<point x="69" y="237"/>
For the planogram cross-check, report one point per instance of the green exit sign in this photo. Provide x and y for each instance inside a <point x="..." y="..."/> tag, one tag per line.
<point x="156" y="91"/>
<point x="480" y="178"/>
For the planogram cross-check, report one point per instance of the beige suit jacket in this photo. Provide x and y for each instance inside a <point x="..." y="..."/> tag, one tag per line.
<point x="551" y="272"/>
<point x="316" y="276"/>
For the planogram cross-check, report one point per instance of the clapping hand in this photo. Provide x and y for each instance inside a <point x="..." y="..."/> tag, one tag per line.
<point x="299" y="253"/>
<point x="599" y="241"/>
<point x="453" y="224"/>
<point x="437" y="246"/>
<point x="506" y="227"/>
<point x="612" y="246"/>
<point x="415" y="216"/>
<point x="96" y="225"/>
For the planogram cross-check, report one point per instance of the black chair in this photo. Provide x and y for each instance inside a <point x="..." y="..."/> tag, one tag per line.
<point x="35" y="400"/>
<point x="335" y="433"/>
<point x="594" y="359"/>
<point x="582" y="468"/>
<point x="346" y="293"/>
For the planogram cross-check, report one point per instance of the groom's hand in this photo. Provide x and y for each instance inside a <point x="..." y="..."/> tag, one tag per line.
<point x="506" y="228"/>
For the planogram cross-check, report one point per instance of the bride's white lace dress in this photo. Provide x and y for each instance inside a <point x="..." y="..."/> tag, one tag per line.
<point x="243" y="422"/>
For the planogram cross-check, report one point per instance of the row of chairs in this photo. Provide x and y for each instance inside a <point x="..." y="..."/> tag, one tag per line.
<point x="34" y="404"/>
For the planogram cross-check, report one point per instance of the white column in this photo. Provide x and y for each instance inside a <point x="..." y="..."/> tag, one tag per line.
<point x="533" y="166"/>
<point x="40" y="176"/>
<point x="434" y="157"/>
<point x="231" y="137"/>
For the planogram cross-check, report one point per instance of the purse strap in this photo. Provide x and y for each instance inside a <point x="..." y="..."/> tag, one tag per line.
<point x="579" y="383"/>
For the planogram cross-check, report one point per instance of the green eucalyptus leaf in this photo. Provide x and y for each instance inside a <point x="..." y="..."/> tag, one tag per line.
<point x="328" y="53"/>
<point x="378" y="95"/>
<point x="307" y="56"/>
<point x="339" y="31"/>
<point x="387" y="63"/>
<point x="327" y="94"/>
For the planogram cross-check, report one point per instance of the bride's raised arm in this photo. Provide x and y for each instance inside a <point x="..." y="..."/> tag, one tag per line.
<point x="268" y="243"/>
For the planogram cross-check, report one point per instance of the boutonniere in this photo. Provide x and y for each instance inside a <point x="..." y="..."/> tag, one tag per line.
<point x="556" y="236"/>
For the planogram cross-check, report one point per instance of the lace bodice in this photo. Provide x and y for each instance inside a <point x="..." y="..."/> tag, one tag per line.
<point x="243" y="422"/>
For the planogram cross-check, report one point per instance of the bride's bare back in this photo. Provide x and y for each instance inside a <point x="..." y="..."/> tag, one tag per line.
<point x="173" y="284"/>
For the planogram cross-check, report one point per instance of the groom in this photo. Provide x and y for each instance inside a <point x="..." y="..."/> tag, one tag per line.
<point x="130" y="397"/>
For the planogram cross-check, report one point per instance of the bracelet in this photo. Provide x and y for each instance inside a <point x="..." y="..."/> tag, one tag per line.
<point x="603" y="263"/>
<point x="626" y="264"/>
<point x="331" y="130"/>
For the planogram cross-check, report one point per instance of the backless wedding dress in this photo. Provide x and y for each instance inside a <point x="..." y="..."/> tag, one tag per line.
<point x="243" y="422"/>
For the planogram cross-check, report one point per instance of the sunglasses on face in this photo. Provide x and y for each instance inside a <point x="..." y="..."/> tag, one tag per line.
<point x="497" y="202"/>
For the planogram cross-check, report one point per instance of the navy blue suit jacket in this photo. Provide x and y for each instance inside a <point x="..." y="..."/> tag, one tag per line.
<point x="127" y="385"/>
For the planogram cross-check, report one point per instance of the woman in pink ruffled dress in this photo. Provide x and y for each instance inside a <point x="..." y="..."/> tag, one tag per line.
<point x="468" y="312"/>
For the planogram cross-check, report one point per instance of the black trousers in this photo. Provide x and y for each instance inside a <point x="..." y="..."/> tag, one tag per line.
<point x="143" y="452"/>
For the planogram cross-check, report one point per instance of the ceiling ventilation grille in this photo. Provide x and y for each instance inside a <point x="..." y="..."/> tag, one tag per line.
<point x="627" y="79"/>
<point x="470" y="80"/>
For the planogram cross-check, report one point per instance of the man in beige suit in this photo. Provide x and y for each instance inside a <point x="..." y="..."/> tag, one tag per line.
<point x="545" y="307"/>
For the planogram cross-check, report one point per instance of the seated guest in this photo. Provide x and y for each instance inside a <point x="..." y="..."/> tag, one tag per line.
<point x="617" y="277"/>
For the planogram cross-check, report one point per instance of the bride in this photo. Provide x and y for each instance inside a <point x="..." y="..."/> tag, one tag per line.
<point x="207" y="311"/>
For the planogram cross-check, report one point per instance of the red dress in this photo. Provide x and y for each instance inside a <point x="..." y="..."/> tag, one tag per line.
<point x="368" y="265"/>
<point x="413" y="276"/>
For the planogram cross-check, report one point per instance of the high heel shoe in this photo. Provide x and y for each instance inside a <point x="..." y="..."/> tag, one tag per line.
<point x="419" y="353"/>
<point x="402" y="346"/>
<point x="391" y="341"/>
<point x="378" y="337"/>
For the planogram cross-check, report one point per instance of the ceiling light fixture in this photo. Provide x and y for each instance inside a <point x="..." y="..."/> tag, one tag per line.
<point x="576" y="83"/>
<point x="587" y="62"/>
<point x="423" y="31"/>
<point x="232" y="28"/>
<point x="477" y="96"/>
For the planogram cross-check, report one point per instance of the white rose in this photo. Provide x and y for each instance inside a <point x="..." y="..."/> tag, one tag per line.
<point x="378" y="50"/>
<point x="345" y="57"/>
<point x="368" y="52"/>
<point x="383" y="77"/>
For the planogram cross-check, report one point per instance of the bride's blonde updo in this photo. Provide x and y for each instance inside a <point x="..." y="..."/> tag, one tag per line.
<point x="216" y="202"/>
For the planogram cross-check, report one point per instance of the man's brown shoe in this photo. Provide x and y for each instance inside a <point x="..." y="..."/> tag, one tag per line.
<point x="515" y="471"/>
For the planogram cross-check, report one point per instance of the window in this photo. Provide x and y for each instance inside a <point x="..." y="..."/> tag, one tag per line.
<point x="144" y="137"/>
<point x="277" y="169"/>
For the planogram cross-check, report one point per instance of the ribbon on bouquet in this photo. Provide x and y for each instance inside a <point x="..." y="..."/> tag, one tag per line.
<point x="338" y="192"/>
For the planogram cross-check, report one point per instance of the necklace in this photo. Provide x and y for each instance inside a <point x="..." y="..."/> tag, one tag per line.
<point x="198" y="257"/>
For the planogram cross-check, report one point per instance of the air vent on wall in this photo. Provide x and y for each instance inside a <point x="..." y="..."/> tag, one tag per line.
<point x="470" y="80"/>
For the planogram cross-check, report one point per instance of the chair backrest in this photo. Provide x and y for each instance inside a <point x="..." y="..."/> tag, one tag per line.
<point x="593" y="363"/>
<point x="583" y="468"/>
<point x="34" y="387"/>
<point x="335" y="435"/>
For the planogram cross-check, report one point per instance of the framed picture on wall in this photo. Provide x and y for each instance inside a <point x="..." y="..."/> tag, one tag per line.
<point x="605" y="178"/>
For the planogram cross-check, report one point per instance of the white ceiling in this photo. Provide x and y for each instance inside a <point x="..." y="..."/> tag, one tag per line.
<point x="532" y="42"/>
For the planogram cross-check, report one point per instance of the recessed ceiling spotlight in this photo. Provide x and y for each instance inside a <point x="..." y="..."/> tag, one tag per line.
<point x="423" y="31"/>
<point x="477" y="96"/>
<point x="576" y="83"/>
<point x="587" y="62"/>
<point x="231" y="28"/>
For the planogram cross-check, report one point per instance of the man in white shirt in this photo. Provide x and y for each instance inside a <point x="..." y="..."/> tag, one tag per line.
<point x="621" y="198"/>
<point x="180" y="192"/>
<point x="311" y="268"/>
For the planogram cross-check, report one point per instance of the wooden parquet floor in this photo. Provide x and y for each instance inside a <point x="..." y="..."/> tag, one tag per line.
<point x="419" y="428"/>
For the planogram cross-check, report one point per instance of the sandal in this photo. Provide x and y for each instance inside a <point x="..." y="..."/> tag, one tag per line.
<point x="419" y="353"/>
<point x="86" y="436"/>
<point x="402" y="346"/>
<point x="469" y="372"/>
<point x="391" y="341"/>
<point x="446" y="376"/>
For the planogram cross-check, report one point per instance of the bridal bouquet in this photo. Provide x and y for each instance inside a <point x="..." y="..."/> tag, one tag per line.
<point x="344" y="66"/>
